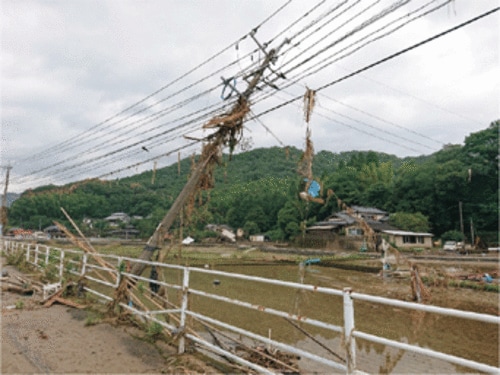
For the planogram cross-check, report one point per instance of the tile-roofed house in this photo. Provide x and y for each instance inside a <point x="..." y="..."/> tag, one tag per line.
<point x="345" y="225"/>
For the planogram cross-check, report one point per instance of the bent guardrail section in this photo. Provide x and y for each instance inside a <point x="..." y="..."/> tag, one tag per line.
<point x="83" y="265"/>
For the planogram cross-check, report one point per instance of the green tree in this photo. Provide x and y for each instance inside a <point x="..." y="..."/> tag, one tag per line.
<point x="452" y="235"/>
<point x="481" y="160"/>
<point x="251" y="227"/>
<point x="289" y="218"/>
<point x="414" y="222"/>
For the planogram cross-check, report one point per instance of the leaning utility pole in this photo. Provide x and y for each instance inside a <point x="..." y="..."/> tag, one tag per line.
<point x="230" y="125"/>
<point x="4" y="202"/>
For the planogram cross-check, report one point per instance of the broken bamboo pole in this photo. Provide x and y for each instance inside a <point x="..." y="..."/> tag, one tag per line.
<point x="87" y="248"/>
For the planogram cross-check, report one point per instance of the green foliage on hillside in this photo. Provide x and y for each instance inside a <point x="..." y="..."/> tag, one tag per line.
<point x="258" y="191"/>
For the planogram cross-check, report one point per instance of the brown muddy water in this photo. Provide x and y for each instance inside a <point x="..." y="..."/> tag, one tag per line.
<point x="461" y="337"/>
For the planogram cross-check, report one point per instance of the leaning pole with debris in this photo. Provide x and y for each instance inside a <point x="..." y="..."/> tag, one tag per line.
<point x="230" y="127"/>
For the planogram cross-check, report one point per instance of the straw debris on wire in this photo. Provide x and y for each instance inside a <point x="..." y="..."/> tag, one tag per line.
<point x="309" y="103"/>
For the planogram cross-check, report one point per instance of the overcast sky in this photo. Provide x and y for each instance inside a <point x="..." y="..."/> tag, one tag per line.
<point x="68" y="68"/>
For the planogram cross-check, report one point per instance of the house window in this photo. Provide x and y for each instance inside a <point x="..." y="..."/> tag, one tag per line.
<point x="355" y="232"/>
<point x="413" y="239"/>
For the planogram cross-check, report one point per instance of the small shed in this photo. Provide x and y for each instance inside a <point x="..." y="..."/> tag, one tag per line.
<point x="53" y="231"/>
<point x="409" y="239"/>
<point x="258" y="238"/>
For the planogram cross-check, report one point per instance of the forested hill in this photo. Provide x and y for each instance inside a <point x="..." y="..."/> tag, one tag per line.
<point x="258" y="190"/>
<point x="262" y="163"/>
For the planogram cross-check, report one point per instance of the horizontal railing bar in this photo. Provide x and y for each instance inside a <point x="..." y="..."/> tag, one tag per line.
<point x="311" y="288"/>
<point x="131" y="275"/>
<point x="268" y="341"/>
<point x="308" y="287"/>
<point x="171" y="311"/>
<point x="97" y="293"/>
<point x="432" y="309"/>
<point x="147" y="316"/>
<point x="148" y="262"/>
<point x="428" y="352"/>
<point x="268" y="310"/>
<point x="113" y="270"/>
<point x="100" y="281"/>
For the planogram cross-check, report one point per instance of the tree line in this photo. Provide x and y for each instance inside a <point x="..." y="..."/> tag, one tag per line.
<point x="449" y="190"/>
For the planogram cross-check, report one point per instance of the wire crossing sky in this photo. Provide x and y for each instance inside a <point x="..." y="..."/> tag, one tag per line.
<point x="111" y="89"/>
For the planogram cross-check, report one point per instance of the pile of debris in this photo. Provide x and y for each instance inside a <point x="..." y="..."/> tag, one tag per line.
<point x="44" y="294"/>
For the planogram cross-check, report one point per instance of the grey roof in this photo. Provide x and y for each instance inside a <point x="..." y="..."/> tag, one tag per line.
<point x="346" y="217"/>
<point x="322" y="227"/>
<point x="407" y="233"/>
<point x="118" y="216"/>
<point x="368" y="210"/>
<point x="380" y="226"/>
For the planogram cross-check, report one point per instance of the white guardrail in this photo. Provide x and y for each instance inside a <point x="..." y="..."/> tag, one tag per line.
<point x="41" y="255"/>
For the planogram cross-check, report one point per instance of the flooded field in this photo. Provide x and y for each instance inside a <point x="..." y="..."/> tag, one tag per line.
<point x="465" y="338"/>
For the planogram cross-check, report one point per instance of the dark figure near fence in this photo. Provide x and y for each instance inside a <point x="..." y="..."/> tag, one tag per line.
<point x="153" y="276"/>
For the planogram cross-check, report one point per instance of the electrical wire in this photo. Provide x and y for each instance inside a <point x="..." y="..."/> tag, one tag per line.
<point x="383" y="60"/>
<point x="109" y="156"/>
<point x="56" y="148"/>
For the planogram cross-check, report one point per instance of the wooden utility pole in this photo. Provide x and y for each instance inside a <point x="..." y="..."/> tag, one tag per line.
<point x="461" y="217"/>
<point x="4" y="201"/>
<point x="229" y="125"/>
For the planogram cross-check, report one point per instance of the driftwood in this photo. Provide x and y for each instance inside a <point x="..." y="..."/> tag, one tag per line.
<point x="17" y="289"/>
<point x="32" y="283"/>
<point x="265" y="358"/>
<point x="21" y="285"/>
<point x="63" y="301"/>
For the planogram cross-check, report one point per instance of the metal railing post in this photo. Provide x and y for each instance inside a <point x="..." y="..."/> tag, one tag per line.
<point x="36" y="254"/>
<point x="84" y="264"/>
<point x="119" y="271"/>
<point x="350" y="344"/>
<point x="47" y="252"/>
<point x="61" y="265"/>
<point x="184" y="306"/>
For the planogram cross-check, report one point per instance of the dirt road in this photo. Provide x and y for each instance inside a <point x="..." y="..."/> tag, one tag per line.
<point x="37" y="339"/>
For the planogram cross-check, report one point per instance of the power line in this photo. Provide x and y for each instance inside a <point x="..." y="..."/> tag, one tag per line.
<point x="382" y="119"/>
<point x="383" y="60"/>
<point x="114" y="153"/>
<point x="143" y="121"/>
<point x="78" y="137"/>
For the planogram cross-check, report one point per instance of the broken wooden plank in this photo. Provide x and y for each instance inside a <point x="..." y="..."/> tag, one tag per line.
<point x="50" y="300"/>
<point x="63" y="301"/>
